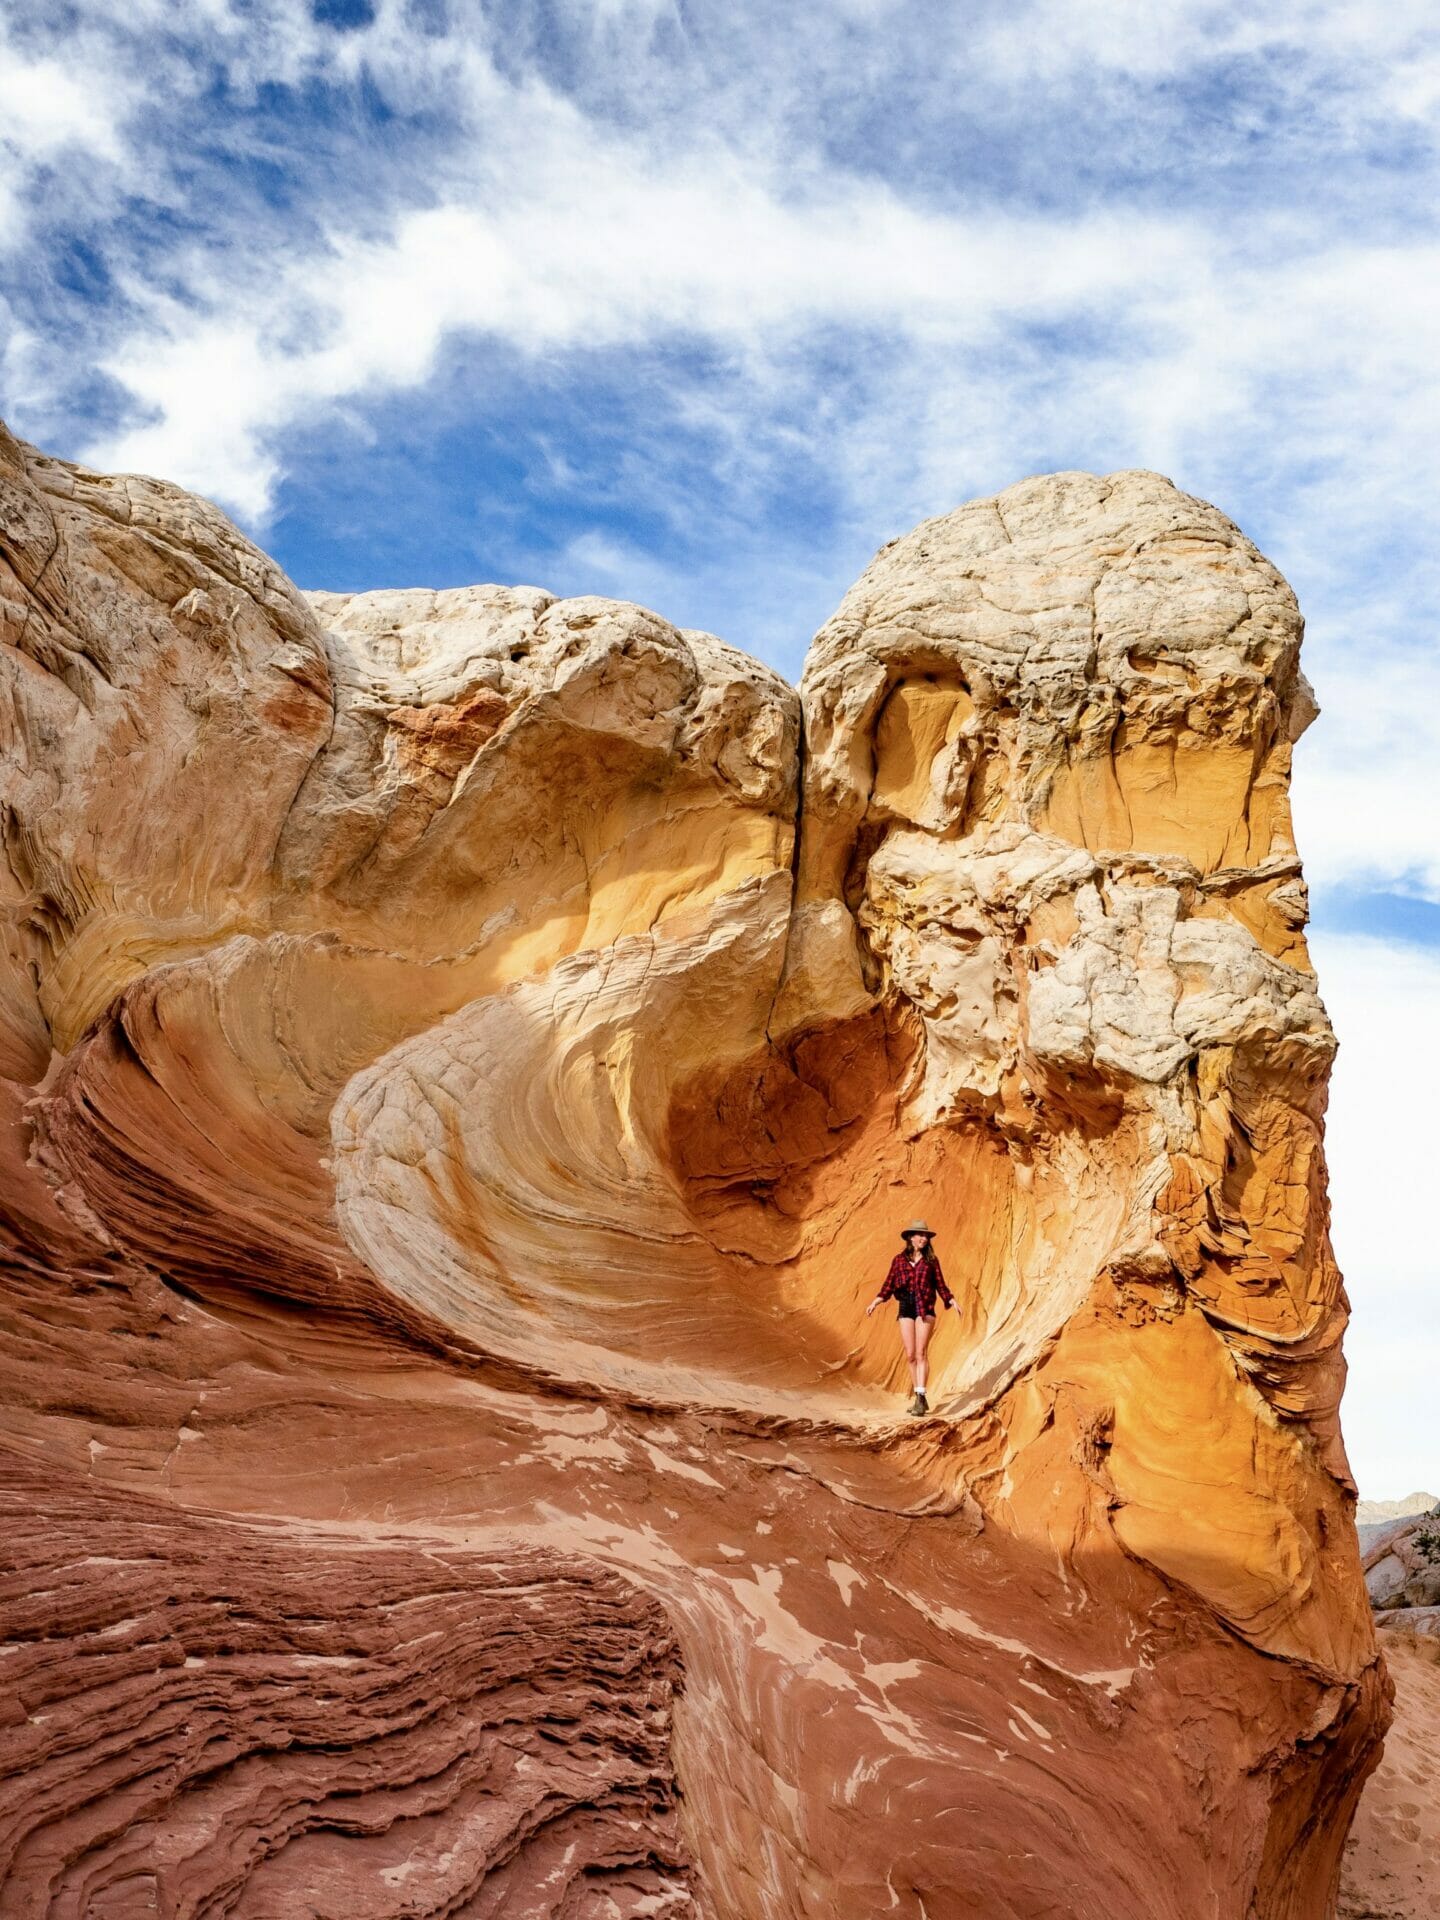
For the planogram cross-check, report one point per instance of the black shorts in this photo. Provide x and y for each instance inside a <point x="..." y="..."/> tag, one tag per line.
<point x="906" y="1303"/>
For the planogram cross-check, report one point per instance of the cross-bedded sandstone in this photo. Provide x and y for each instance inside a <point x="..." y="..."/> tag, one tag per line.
<point x="208" y="1718"/>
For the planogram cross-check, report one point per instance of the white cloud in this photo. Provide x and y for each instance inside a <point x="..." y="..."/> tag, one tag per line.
<point x="52" y="111"/>
<point x="1380" y="1142"/>
<point x="599" y="251"/>
<point x="45" y="105"/>
<point x="1382" y="50"/>
<point x="1366" y="786"/>
<point x="597" y="562"/>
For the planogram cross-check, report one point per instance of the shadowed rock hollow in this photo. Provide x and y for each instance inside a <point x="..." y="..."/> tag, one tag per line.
<point x="465" y="1068"/>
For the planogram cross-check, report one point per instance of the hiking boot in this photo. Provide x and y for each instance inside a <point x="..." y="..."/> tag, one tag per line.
<point x="917" y="1405"/>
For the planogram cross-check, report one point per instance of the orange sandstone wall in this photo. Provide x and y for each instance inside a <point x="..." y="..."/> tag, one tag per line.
<point x="464" y="1066"/>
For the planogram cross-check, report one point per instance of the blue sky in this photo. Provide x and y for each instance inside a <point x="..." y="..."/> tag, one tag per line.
<point x="699" y="301"/>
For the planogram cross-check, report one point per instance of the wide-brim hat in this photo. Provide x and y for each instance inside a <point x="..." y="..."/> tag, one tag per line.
<point x="917" y="1226"/>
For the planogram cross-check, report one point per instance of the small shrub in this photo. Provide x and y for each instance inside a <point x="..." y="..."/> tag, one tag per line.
<point x="1427" y="1545"/>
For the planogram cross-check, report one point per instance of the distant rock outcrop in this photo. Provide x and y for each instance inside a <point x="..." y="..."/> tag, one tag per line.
<point x="1376" y="1517"/>
<point x="1369" y="1513"/>
<point x="1402" y="1570"/>
<point x="465" y="1059"/>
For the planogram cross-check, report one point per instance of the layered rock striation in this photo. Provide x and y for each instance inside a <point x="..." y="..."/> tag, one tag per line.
<point x="213" y="1719"/>
<point x="466" y="1058"/>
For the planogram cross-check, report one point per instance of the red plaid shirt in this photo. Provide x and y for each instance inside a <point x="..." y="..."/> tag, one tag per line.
<point x="922" y="1278"/>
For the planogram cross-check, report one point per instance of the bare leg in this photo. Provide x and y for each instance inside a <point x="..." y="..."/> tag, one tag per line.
<point x="907" y="1339"/>
<point x="919" y="1364"/>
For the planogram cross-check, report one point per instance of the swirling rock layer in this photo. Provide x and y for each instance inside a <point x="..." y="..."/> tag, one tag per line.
<point x="464" y="1068"/>
<point x="213" y="1719"/>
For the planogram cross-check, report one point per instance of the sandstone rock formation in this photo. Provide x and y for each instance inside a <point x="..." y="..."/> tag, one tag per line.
<point x="465" y="1063"/>
<point x="1402" y="1571"/>
<point x="224" y="1725"/>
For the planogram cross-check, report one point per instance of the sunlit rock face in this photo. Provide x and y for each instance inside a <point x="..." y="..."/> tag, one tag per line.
<point x="467" y="1057"/>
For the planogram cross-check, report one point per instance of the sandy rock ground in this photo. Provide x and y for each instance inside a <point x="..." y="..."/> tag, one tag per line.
<point x="1392" y="1858"/>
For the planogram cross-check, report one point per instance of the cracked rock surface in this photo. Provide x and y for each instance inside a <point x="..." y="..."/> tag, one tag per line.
<point x="465" y="1058"/>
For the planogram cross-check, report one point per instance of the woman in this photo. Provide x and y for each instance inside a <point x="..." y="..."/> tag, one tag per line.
<point x="913" y="1281"/>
